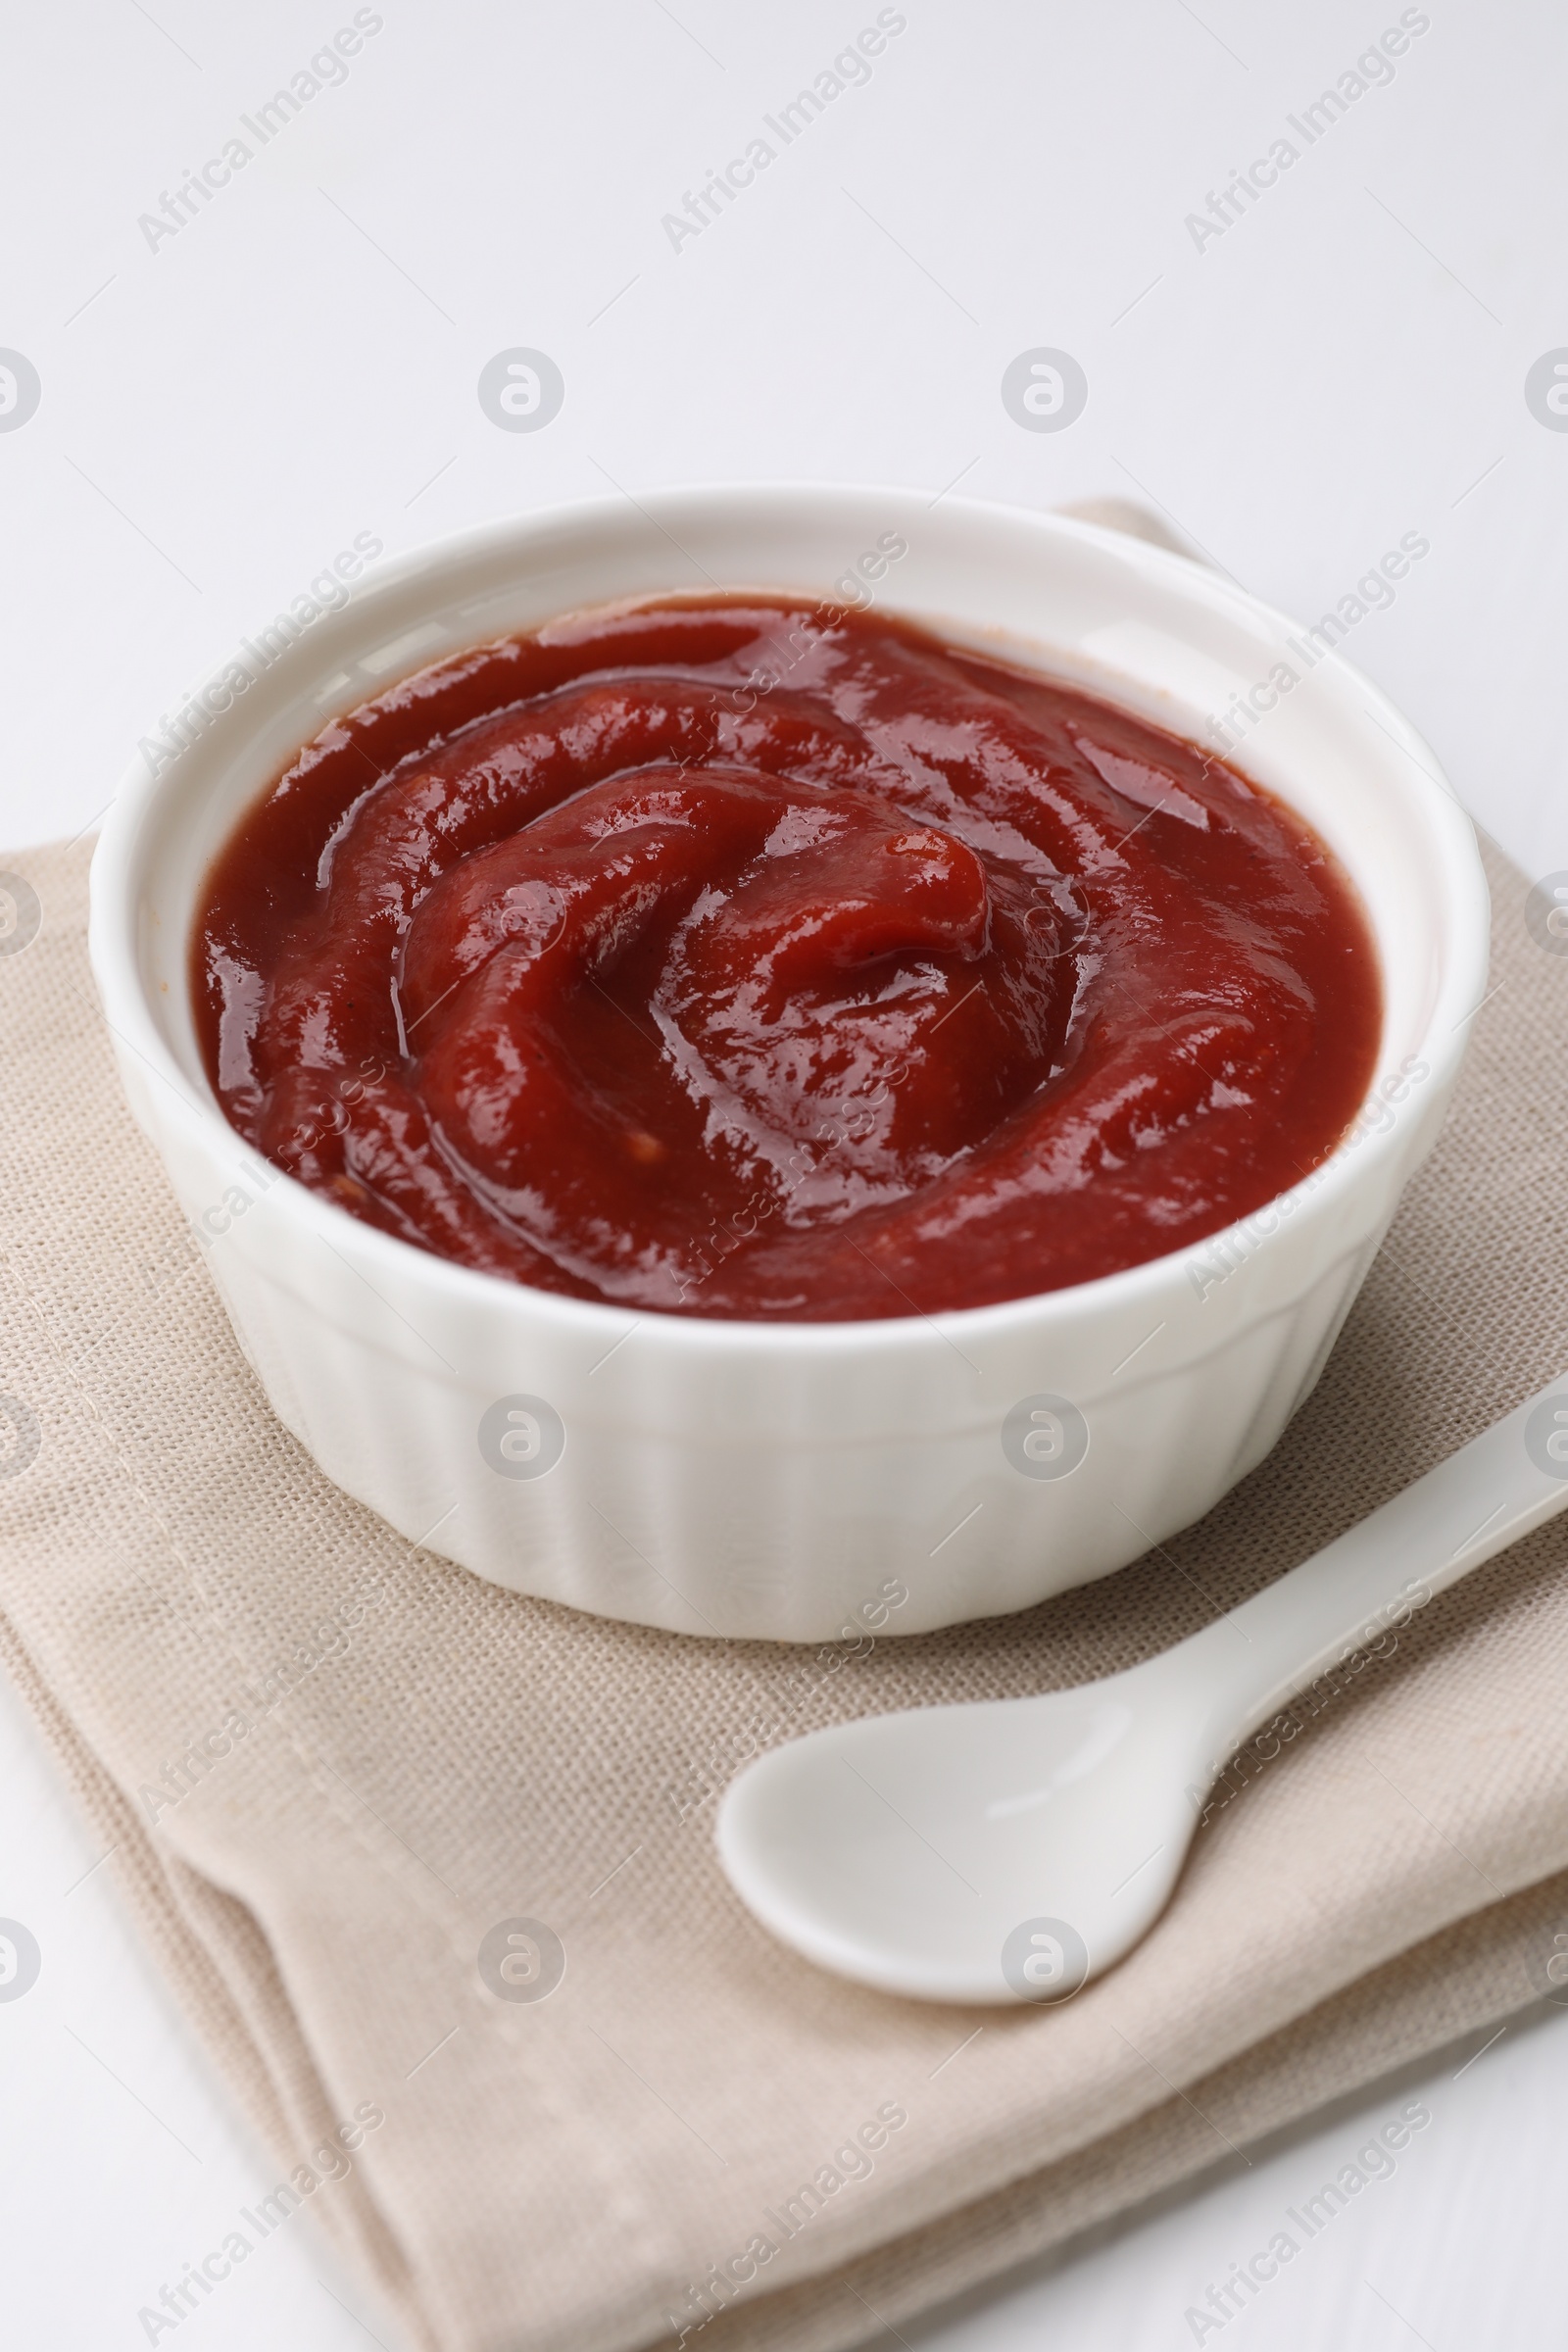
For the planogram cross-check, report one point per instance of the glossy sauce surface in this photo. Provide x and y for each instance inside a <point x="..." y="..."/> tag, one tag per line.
<point x="747" y="958"/>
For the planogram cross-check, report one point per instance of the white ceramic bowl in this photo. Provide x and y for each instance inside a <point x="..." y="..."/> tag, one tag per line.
<point x="791" y="1482"/>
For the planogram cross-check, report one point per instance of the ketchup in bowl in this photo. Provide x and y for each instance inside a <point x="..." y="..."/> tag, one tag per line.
<point x="749" y="958"/>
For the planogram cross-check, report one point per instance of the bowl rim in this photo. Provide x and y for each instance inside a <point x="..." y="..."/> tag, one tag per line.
<point x="116" y="878"/>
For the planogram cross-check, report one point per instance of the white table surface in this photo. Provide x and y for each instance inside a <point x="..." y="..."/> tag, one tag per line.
<point x="223" y="409"/>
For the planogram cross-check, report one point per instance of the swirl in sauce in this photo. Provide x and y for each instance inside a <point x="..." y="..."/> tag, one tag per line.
<point x="741" y="958"/>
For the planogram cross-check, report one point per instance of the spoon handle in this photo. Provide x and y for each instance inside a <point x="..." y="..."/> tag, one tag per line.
<point x="1486" y="1497"/>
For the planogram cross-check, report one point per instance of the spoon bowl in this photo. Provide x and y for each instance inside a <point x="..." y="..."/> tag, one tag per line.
<point x="989" y="1853"/>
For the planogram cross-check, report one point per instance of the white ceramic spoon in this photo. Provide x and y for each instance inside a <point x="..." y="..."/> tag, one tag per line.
<point x="1008" y="1852"/>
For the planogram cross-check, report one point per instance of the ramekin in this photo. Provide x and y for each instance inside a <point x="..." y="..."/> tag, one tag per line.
<point x="800" y="1481"/>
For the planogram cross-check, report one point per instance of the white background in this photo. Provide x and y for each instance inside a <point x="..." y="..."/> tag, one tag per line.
<point x="221" y="413"/>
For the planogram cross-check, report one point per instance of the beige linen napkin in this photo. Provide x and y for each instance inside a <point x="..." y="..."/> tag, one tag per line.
<point x="331" y="1765"/>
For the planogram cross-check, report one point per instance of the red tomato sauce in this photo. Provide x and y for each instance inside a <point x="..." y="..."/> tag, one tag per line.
<point x="746" y="959"/>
